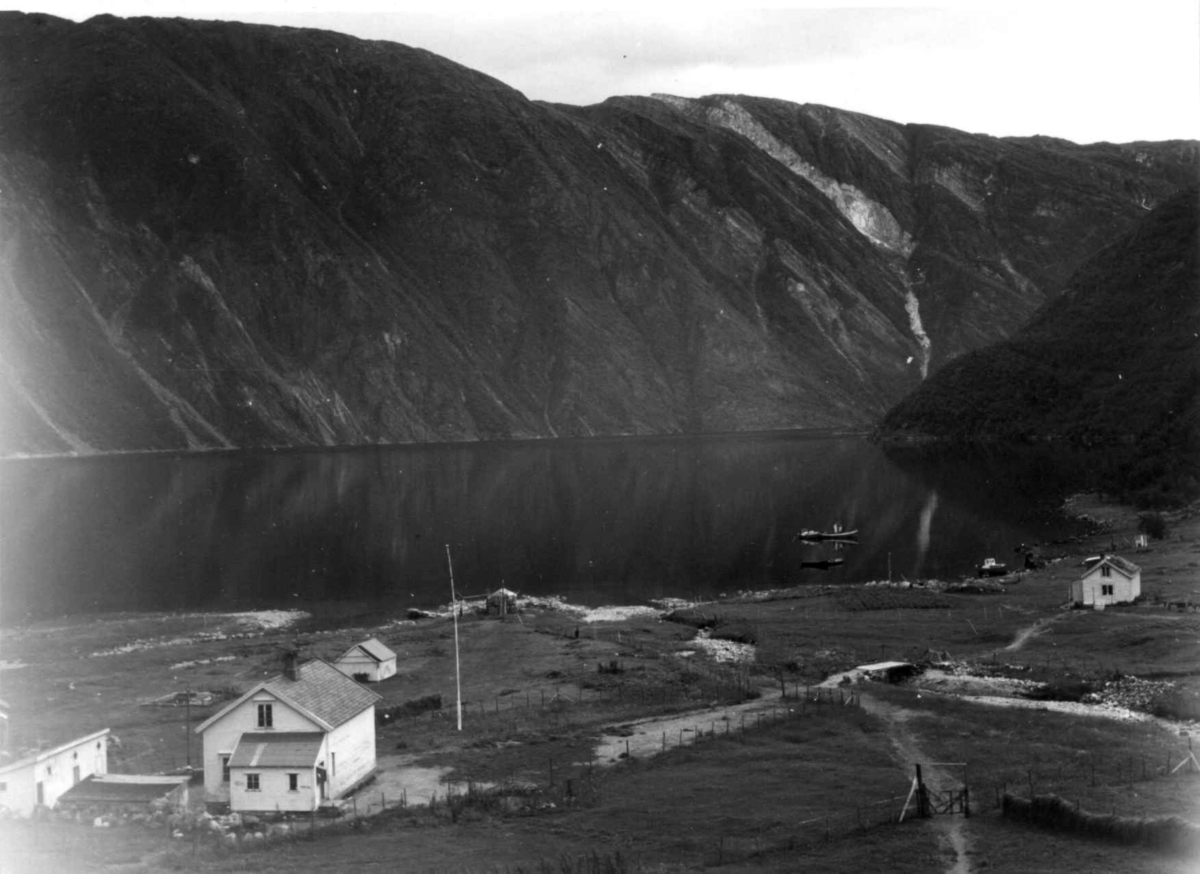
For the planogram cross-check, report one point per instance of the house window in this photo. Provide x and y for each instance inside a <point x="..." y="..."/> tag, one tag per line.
<point x="1106" y="571"/>
<point x="293" y="782"/>
<point x="332" y="764"/>
<point x="224" y="769"/>
<point x="1106" y="590"/>
<point x="252" y="783"/>
<point x="265" y="716"/>
<point x="3" y="787"/>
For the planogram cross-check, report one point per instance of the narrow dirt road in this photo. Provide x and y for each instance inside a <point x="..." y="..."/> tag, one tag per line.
<point x="952" y="829"/>
<point x="1026" y="634"/>
<point x="648" y="737"/>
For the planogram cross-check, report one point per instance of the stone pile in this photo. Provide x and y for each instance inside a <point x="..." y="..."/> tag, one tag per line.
<point x="1132" y="693"/>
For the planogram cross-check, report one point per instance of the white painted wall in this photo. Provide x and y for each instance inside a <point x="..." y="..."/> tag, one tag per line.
<point x="353" y="745"/>
<point x="1087" y="590"/>
<point x="55" y="771"/>
<point x="273" y="793"/>
<point x="358" y="662"/>
<point x="222" y="736"/>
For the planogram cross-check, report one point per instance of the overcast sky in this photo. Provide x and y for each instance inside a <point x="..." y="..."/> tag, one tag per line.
<point x="1116" y="71"/>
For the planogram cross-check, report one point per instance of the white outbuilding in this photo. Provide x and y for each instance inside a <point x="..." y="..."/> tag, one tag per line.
<point x="1107" y="579"/>
<point x="369" y="662"/>
<point x="39" y="778"/>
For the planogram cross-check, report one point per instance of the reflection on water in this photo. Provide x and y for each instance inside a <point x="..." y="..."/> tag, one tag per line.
<point x="598" y="521"/>
<point x="924" y="528"/>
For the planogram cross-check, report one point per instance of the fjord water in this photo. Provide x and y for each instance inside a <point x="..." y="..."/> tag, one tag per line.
<point x="598" y="521"/>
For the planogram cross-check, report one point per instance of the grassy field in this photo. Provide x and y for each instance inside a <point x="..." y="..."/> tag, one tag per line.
<point x="815" y="787"/>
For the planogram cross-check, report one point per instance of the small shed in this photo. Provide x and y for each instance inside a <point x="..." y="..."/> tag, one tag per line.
<point x="127" y="793"/>
<point x="1107" y="579"/>
<point x="889" y="672"/>
<point x="501" y="602"/>
<point x="369" y="661"/>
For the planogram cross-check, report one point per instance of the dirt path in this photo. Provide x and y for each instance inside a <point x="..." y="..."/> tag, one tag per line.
<point x="645" y="737"/>
<point x="1026" y="634"/>
<point x="951" y="829"/>
<point x="398" y="778"/>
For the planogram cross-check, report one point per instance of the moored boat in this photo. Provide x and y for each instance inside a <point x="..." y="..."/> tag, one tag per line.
<point x="836" y="534"/>
<point x="992" y="568"/>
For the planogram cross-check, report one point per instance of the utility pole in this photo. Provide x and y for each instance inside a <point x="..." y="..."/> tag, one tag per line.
<point x="457" y="672"/>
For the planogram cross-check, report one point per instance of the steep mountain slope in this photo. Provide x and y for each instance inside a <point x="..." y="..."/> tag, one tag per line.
<point x="1113" y="362"/>
<point x="228" y="235"/>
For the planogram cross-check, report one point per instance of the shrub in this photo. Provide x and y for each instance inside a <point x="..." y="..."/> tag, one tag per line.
<point x="1152" y="524"/>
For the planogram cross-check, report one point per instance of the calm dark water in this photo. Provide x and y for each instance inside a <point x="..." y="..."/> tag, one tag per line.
<point x="598" y="521"/>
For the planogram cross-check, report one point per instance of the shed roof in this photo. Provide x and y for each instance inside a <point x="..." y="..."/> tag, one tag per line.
<point x="320" y="692"/>
<point x="1123" y="565"/>
<point x="284" y="749"/>
<point x="373" y="648"/>
<point x="884" y="666"/>
<point x="130" y="788"/>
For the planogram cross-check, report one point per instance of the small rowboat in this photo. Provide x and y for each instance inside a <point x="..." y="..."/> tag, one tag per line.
<point x="837" y="534"/>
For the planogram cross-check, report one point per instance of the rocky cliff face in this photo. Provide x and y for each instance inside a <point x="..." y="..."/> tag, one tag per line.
<point x="1112" y="362"/>
<point x="224" y="235"/>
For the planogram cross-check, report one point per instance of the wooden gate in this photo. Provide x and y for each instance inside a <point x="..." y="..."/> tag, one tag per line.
<point x="932" y="801"/>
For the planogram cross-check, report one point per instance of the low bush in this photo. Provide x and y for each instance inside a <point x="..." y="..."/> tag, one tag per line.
<point x="1167" y="833"/>
<point x="1152" y="524"/>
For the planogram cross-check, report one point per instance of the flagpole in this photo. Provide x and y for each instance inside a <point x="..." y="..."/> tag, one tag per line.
<point x="457" y="672"/>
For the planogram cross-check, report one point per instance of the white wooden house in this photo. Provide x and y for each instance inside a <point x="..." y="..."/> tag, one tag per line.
<point x="38" y="779"/>
<point x="369" y="661"/>
<point x="291" y="742"/>
<point x="1107" y="579"/>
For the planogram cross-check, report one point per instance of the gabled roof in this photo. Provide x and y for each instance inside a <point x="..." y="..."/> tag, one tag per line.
<point x="285" y="749"/>
<point x="320" y="692"/>
<point x="1125" y="566"/>
<point x="372" y="648"/>
<point x="41" y="755"/>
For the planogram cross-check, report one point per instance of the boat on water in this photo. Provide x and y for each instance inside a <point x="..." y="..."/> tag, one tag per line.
<point x="836" y="534"/>
<point x="992" y="568"/>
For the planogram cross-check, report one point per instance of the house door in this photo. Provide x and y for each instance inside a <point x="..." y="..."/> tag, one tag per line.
<point x="74" y="775"/>
<point x="321" y="784"/>
<point x="41" y="793"/>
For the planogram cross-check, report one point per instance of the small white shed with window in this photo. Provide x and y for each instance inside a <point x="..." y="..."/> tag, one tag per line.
<point x="367" y="662"/>
<point x="1108" y="579"/>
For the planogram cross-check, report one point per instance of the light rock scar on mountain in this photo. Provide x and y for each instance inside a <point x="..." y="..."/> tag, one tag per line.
<point x="224" y="235"/>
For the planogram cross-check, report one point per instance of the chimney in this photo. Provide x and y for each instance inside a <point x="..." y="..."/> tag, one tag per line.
<point x="291" y="668"/>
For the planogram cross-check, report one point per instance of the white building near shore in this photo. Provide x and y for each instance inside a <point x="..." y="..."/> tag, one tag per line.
<point x="292" y="742"/>
<point x="1108" y="579"/>
<point x="38" y="779"/>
